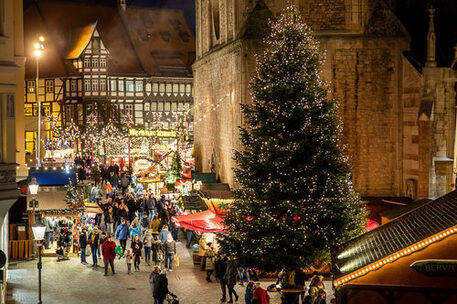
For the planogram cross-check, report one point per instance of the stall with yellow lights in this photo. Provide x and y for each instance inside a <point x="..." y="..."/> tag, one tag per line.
<point x="411" y="259"/>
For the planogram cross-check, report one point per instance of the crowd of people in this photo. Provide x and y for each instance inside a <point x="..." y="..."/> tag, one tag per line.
<point x="141" y="224"/>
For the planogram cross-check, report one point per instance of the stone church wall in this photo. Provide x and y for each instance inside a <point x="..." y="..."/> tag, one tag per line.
<point x="363" y="75"/>
<point x="415" y="177"/>
<point x="378" y="89"/>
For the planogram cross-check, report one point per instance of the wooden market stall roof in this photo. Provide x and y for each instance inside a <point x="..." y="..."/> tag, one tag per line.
<point x="402" y="236"/>
<point x="402" y="210"/>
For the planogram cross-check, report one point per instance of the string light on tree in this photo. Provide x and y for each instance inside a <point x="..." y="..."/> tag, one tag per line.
<point x="296" y="203"/>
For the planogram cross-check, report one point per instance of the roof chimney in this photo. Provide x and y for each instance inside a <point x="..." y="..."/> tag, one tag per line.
<point x="431" y="41"/>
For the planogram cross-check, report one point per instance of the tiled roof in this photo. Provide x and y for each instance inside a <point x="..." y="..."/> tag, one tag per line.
<point x="132" y="37"/>
<point x="400" y="233"/>
<point x="80" y="38"/>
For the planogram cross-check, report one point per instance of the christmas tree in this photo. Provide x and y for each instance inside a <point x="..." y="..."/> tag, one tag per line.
<point x="295" y="203"/>
<point x="76" y="196"/>
<point x="175" y="171"/>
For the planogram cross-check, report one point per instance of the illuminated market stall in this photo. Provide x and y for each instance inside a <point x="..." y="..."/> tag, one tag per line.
<point x="410" y="259"/>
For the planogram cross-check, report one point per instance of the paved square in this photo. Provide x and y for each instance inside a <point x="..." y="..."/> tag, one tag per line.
<point x="71" y="282"/>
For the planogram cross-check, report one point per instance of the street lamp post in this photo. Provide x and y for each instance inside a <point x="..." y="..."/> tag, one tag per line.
<point x="38" y="234"/>
<point x="38" y="52"/>
<point x="33" y="189"/>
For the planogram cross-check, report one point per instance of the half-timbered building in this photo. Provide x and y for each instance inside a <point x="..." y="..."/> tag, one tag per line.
<point x="111" y="60"/>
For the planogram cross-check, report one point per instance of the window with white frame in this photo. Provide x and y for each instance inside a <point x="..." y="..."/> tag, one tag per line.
<point x="49" y="85"/>
<point x="87" y="86"/>
<point x="31" y="86"/>
<point x="139" y="85"/>
<point x="103" y="62"/>
<point x="95" y="62"/>
<point x="95" y="85"/>
<point x="73" y="85"/>
<point x="128" y="109"/>
<point x="120" y="85"/>
<point x="102" y="84"/>
<point x="87" y="62"/>
<point x="69" y="112"/>
<point x="129" y="86"/>
<point x="113" y="85"/>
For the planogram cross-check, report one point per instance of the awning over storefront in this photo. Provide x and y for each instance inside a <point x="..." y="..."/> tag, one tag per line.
<point x="205" y="221"/>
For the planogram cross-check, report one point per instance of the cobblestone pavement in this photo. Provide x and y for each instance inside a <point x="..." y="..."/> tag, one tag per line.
<point x="71" y="282"/>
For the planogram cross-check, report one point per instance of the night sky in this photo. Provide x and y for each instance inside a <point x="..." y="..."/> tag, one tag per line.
<point x="188" y="6"/>
<point x="412" y="13"/>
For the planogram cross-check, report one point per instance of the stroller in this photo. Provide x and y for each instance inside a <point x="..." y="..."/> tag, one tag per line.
<point x="172" y="299"/>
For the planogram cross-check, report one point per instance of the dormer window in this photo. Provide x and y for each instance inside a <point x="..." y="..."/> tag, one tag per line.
<point x="96" y="43"/>
<point x="165" y="36"/>
<point x="185" y="37"/>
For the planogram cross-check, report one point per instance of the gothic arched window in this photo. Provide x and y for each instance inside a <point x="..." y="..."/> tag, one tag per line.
<point x="216" y="18"/>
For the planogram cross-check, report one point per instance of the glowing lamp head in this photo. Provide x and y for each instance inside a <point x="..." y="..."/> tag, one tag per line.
<point x="41" y="39"/>
<point x="37" y="53"/>
<point x="33" y="187"/>
<point x="38" y="231"/>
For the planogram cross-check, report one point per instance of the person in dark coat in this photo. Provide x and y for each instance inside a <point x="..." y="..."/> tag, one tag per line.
<point x="140" y="206"/>
<point x="103" y="173"/>
<point x="116" y="169"/>
<point x="150" y="204"/>
<point x="161" y="288"/>
<point x="164" y="216"/>
<point x="231" y="277"/>
<point x="124" y="183"/>
<point x="137" y="245"/>
<point x="157" y="251"/>
<point x="220" y="265"/>
<point x="81" y="173"/>
<point x="123" y="211"/>
<point x="83" y="245"/>
<point x="131" y="205"/>
<point x="114" y="180"/>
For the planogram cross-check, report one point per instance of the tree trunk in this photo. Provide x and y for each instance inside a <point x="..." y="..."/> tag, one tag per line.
<point x="290" y="294"/>
<point x="288" y="297"/>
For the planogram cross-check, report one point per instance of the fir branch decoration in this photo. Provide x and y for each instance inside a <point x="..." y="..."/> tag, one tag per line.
<point x="77" y="196"/>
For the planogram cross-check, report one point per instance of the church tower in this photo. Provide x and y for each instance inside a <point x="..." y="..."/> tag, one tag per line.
<point x="364" y="43"/>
